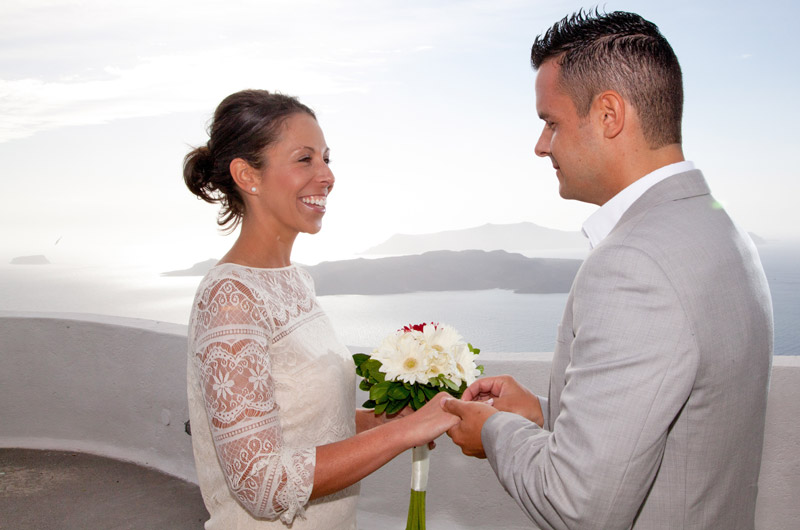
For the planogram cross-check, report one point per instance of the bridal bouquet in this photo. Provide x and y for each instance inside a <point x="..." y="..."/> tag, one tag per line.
<point x="408" y="368"/>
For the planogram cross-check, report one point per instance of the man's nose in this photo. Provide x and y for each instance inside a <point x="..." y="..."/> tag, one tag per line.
<point x="542" y="147"/>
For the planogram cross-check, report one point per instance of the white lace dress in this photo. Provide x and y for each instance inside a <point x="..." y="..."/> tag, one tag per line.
<point x="268" y="383"/>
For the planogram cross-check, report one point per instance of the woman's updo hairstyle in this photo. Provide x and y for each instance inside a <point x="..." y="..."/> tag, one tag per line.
<point x="244" y="124"/>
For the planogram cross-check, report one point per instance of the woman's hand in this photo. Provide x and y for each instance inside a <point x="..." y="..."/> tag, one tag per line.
<point x="367" y="419"/>
<point x="429" y="422"/>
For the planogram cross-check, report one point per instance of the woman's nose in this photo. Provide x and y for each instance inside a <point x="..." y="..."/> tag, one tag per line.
<point x="326" y="176"/>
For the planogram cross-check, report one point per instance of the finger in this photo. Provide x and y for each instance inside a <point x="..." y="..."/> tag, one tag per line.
<point x="447" y="420"/>
<point x="439" y="397"/>
<point x="491" y="386"/>
<point x="480" y="386"/>
<point x="454" y="432"/>
<point x="453" y="406"/>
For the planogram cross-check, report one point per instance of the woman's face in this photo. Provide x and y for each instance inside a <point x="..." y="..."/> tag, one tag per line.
<point x="296" y="180"/>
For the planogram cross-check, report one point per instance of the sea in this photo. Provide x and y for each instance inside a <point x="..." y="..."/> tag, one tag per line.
<point x="493" y="320"/>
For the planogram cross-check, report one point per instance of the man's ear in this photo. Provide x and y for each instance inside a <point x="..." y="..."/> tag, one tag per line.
<point x="245" y="176"/>
<point x="610" y="110"/>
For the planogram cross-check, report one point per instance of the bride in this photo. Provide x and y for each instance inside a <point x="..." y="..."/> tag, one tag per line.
<point x="277" y="438"/>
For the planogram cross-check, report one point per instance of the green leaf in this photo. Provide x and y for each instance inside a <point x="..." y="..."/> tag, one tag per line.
<point x="378" y="392"/>
<point x="365" y="385"/>
<point x="418" y="401"/>
<point x="480" y="368"/>
<point x="429" y="391"/>
<point x="360" y="358"/>
<point x="396" y="406"/>
<point x="474" y="350"/>
<point x="380" y="408"/>
<point x="368" y="404"/>
<point x="373" y="368"/>
<point x="398" y="392"/>
<point x="450" y="384"/>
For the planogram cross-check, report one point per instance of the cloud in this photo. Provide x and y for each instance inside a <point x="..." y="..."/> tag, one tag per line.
<point x="80" y="62"/>
<point x="157" y="86"/>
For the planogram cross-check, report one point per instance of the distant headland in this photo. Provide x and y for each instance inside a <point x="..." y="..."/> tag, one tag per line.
<point x="443" y="270"/>
<point x="38" y="259"/>
<point x="484" y="257"/>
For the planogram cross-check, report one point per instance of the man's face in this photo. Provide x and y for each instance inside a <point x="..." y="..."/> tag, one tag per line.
<point x="570" y="141"/>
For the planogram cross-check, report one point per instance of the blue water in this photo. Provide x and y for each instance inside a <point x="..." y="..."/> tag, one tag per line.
<point x="782" y="267"/>
<point x="500" y="321"/>
<point x="493" y="320"/>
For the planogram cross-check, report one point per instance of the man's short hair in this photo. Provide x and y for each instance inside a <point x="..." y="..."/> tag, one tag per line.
<point x="622" y="52"/>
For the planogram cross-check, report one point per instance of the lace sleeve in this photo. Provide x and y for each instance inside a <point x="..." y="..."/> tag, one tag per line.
<point x="231" y="355"/>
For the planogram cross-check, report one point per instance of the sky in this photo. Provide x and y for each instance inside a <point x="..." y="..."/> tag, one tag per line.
<point x="428" y="108"/>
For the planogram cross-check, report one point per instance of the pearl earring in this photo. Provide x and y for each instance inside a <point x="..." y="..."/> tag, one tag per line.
<point x="253" y="189"/>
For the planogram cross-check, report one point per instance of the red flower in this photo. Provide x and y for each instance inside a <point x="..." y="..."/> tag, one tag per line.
<point x="418" y="327"/>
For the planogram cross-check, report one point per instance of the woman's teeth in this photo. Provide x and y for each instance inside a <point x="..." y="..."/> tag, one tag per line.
<point x="318" y="201"/>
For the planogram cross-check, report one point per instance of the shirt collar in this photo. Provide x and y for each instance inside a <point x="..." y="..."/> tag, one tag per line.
<point x="601" y="222"/>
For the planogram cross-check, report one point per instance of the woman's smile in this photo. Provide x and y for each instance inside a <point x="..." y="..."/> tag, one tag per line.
<point x="315" y="202"/>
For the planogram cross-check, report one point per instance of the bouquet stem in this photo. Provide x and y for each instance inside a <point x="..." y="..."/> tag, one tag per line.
<point x="419" y="484"/>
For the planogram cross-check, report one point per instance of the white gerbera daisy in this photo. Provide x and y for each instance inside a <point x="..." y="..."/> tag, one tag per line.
<point x="466" y="369"/>
<point x="441" y="338"/>
<point x="402" y="357"/>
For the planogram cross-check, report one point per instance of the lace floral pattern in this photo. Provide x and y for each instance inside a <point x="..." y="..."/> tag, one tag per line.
<point x="273" y="382"/>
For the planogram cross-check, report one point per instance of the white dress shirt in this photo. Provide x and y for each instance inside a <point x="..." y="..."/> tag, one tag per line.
<point x="601" y="222"/>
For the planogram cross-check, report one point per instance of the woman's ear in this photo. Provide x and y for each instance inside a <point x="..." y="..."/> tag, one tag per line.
<point x="610" y="108"/>
<point x="245" y="176"/>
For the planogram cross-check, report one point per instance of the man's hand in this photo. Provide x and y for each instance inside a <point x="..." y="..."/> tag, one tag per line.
<point x="467" y="433"/>
<point x="507" y="395"/>
<point x="426" y="424"/>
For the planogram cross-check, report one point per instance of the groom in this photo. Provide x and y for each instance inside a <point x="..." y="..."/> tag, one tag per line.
<point x="655" y="413"/>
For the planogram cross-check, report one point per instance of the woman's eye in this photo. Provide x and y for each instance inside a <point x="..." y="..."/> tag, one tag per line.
<point x="327" y="160"/>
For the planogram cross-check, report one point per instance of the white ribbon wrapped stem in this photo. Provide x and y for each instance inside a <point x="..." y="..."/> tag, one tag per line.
<point x="419" y="468"/>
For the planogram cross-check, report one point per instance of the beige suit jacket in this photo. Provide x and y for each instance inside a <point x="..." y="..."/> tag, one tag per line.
<point x="655" y="413"/>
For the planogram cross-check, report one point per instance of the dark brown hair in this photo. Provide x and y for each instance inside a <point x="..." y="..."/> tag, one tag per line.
<point x="623" y="52"/>
<point x="244" y="124"/>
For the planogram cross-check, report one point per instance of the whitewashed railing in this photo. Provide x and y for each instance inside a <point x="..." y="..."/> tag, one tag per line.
<point x="116" y="387"/>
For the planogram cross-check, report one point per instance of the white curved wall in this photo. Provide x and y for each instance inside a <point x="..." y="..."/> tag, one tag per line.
<point x="103" y="385"/>
<point x="116" y="387"/>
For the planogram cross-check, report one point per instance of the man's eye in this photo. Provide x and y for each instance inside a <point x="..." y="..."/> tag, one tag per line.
<point x="327" y="160"/>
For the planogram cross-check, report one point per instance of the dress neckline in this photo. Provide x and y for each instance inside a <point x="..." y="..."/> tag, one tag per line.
<point x="264" y="269"/>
